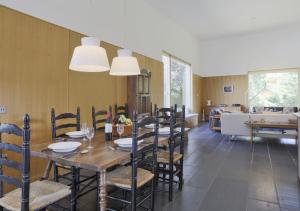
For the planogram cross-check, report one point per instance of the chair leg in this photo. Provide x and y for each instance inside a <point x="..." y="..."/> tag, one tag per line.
<point x="213" y="122"/>
<point x="77" y="180"/>
<point x="97" y="191"/>
<point x="164" y="174"/>
<point x="181" y="175"/>
<point x="171" y="182"/>
<point x="210" y="122"/>
<point x="156" y="176"/>
<point x="124" y="195"/>
<point x="56" y="176"/>
<point x="152" y="195"/>
<point x="133" y="201"/>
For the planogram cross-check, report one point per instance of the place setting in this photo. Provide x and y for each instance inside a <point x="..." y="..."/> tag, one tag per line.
<point x="75" y="142"/>
<point x="123" y="143"/>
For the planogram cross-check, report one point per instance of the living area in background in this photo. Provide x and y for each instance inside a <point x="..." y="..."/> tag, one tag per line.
<point x="270" y="97"/>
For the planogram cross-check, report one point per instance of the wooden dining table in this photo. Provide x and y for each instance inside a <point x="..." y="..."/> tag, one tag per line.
<point x="103" y="155"/>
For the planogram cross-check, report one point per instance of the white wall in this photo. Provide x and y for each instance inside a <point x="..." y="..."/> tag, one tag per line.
<point x="240" y="54"/>
<point x="146" y="31"/>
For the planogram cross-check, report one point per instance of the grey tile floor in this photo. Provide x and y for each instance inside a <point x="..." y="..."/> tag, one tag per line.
<point x="224" y="175"/>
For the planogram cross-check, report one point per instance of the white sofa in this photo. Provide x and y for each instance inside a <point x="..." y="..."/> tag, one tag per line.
<point x="234" y="123"/>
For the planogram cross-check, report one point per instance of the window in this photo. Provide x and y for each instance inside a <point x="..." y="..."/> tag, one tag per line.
<point x="273" y="88"/>
<point x="177" y="82"/>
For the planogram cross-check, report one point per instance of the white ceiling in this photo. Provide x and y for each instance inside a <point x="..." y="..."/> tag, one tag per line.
<point x="209" y="19"/>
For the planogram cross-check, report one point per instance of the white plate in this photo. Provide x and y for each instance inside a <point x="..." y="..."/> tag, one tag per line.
<point x="151" y="126"/>
<point x="178" y="129"/>
<point x="164" y="130"/>
<point x="125" y="142"/>
<point x="76" y="134"/>
<point x="65" y="150"/>
<point x="66" y="146"/>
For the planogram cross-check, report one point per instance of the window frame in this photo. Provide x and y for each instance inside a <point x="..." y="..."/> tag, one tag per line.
<point x="187" y="93"/>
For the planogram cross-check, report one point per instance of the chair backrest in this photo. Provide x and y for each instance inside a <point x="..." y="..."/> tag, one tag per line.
<point x="121" y="110"/>
<point x="64" y="116"/>
<point x="164" y="115"/>
<point x="177" y="132"/>
<point x="23" y="167"/>
<point x="138" y="158"/>
<point x="100" y="117"/>
<point x="153" y="110"/>
<point x="175" y="108"/>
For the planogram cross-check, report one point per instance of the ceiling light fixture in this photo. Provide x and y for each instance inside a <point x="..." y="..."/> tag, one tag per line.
<point x="125" y="64"/>
<point x="89" y="56"/>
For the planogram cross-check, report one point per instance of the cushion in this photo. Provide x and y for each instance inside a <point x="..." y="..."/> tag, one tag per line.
<point x="164" y="157"/>
<point x="42" y="194"/>
<point x="121" y="177"/>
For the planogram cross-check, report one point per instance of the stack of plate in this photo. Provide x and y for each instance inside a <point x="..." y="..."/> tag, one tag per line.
<point x="76" y="134"/>
<point x="66" y="146"/>
<point x="125" y="142"/>
<point x="164" y="131"/>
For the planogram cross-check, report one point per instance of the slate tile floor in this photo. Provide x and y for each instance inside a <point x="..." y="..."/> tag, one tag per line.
<point x="224" y="175"/>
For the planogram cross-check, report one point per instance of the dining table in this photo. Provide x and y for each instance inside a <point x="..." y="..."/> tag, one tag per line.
<point x="103" y="155"/>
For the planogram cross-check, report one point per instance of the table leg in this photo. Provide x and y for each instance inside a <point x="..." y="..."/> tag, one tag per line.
<point x="47" y="170"/>
<point x="73" y="190"/>
<point x="251" y="135"/>
<point x="297" y="137"/>
<point x="102" y="190"/>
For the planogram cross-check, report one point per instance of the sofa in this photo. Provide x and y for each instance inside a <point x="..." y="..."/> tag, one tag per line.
<point x="234" y="123"/>
<point x="284" y="110"/>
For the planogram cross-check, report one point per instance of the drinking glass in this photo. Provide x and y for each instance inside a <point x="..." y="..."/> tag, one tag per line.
<point x="120" y="129"/>
<point x="90" y="134"/>
<point x="84" y="130"/>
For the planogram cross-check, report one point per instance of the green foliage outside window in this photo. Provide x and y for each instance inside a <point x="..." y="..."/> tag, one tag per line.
<point x="278" y="88"/>
<point x="177" y="82"/>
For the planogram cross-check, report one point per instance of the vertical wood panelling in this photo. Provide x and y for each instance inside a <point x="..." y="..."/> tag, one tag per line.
<point x="34" y="77"/>
<point x="157" y="82"/>
<point x="213" y="90"/>
<point x="197" y="94"/>
<point x="118" y="83"/>
<point x="33" y="69"/>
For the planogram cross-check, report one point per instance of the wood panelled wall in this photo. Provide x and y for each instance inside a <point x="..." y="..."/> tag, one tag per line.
<point x="157" y="78"/>
<point x="197" y="94"/>
<point x="212" y="89"/>
<point x="34" y="76"/>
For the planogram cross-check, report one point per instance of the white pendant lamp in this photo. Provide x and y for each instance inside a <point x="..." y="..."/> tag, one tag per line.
<point x="89" y="56"/>
<point x="124" y="64"/>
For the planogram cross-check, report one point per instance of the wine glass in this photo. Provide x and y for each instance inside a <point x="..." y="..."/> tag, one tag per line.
<point x="90" y="134"/>
<point x="84" y="130"/>
<point x="120" y="129"/>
